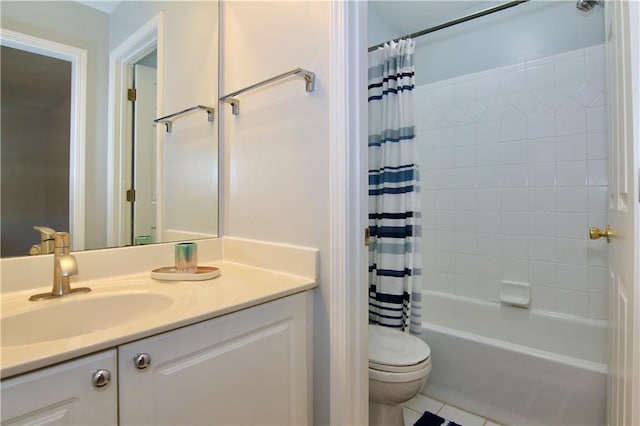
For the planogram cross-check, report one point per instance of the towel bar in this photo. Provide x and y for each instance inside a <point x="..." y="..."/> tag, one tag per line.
<point x="308" y="77"/>
<point x="168" y="119"/>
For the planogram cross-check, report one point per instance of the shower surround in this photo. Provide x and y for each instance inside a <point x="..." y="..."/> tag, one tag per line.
<point x="514" y="171"/>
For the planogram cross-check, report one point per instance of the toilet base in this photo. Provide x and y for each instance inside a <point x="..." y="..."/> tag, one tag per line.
<point x="386" y="398"/>
<point x="385" y="415"/>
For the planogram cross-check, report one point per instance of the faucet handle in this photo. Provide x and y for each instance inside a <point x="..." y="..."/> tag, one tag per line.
<point x="46" y="233"/>
<point x="46" y="240"/>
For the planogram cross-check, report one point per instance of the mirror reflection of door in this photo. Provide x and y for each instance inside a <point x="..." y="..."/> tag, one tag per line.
<point x="144" y="164"/>
<point x="35" y="131"/>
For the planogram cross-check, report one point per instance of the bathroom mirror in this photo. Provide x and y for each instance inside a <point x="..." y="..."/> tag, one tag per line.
<point x="80" y="150"/>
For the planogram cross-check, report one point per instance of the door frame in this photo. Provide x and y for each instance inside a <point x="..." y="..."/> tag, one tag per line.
<point x="348" y="317"/>
<point x="147" y="38"/>
<point x="634" y="35"/>
<point x="77" y="124"/>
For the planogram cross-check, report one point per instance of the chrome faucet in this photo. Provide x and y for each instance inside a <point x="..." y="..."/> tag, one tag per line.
<point x="64" y="266"/>
<point x="46" y="241"/>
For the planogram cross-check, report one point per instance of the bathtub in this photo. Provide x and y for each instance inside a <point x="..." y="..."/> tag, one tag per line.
<point x="513" y="365"/>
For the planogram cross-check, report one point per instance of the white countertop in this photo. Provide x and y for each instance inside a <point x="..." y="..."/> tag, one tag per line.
<point x="238" y="287"/>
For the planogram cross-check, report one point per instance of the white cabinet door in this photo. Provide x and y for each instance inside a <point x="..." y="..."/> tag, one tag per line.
<point x="248" y="367"/>
<point x="63" y="394"/>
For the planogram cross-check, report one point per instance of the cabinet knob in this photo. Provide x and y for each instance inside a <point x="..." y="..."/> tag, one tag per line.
<point x="101" y="378"/>
<point x="142" y="361"/>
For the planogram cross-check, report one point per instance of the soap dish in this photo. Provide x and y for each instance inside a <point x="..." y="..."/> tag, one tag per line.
<point x="516" y="293"/>
<point x="170" y="273"/>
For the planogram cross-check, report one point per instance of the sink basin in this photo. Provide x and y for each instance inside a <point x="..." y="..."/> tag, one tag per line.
<point x="77" y="315"/>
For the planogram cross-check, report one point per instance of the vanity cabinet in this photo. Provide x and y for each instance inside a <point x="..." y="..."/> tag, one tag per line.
<point x="248" y="367"/>
<point x="64" y="394"/>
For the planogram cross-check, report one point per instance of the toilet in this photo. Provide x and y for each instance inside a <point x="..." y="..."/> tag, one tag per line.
<point x="399" y="366"/>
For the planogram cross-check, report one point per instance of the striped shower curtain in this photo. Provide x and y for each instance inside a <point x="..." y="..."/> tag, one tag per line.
<point x="394" y="213"/>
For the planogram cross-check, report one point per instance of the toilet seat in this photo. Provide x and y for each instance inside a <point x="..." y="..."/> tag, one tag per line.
<point x="400" y="369"/>
<point x="401" y="377"/>
<point x="393" y="351"/>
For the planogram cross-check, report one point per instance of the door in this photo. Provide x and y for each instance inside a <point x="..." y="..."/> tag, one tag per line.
<point x="623" y="215"/>
<point x="139" y="169"/>
<point x="144" y="155"/>
<point x="64" y="394"/>
<point x="250" y="367"/>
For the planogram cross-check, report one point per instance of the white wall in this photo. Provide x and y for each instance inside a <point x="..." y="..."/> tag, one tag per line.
<point x="277" y="149"/>
<point x="528" y="31"/>
<point x="525" y="32"/>
<point x="190" y="151"/>
<point x="380" y="30"/>
<point x="80" y="26"/>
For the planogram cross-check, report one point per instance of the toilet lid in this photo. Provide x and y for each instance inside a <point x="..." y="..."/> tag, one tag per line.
<point x="393" y="347"/>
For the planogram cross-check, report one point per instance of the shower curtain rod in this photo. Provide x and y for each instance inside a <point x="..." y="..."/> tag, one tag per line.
<point x="458" y="21"/>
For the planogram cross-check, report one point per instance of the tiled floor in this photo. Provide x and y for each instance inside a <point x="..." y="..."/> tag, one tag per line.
<point x="414" y="409"/>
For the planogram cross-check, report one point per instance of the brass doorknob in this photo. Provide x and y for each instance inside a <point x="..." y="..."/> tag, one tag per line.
<point x="595" y="233"/>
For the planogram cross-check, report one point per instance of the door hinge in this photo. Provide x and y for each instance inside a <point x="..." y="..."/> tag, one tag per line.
<point x="367" y="236"/>
<point x="131" y="195"/>
<point x="131" y="95"/>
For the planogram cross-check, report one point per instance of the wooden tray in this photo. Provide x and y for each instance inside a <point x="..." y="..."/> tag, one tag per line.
<point x="169" y="273"/>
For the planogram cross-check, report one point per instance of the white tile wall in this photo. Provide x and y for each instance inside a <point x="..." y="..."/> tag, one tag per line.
<point x="514" y="170"/>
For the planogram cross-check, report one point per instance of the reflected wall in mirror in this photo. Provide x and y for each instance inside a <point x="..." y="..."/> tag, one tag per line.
<point x="36" y="105"/>
<point x="169" y="51"/>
